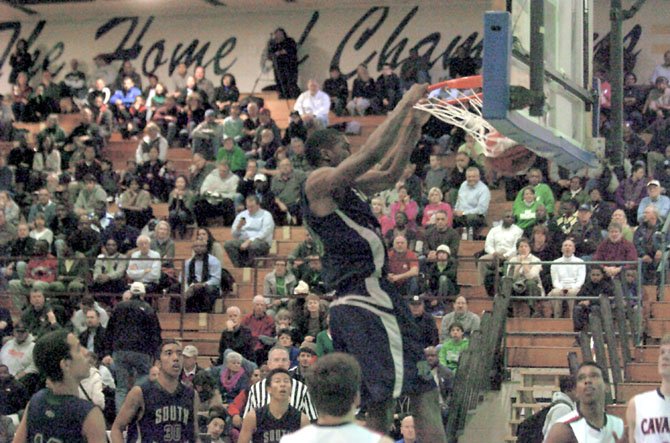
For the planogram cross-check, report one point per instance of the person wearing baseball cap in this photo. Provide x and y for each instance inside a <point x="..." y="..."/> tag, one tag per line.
<point x="207" y="136"/>
<point x="190" y="366"/>
<point x="441" y="277"/>
<point x="654" y="197"/>
<point x="426" y="323"/>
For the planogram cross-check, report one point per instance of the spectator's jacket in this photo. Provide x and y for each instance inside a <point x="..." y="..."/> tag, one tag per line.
<point x="133" y="326"/>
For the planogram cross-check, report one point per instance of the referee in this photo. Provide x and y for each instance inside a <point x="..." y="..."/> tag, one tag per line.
<point x="299" y="399"/>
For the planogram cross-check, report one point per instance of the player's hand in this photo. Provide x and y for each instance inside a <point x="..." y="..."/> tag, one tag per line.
<point x="415" y="93"/>
<point x="107" y="360"/>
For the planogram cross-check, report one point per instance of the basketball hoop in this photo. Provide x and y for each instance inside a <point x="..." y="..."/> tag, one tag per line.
<point x="459" y="103"/>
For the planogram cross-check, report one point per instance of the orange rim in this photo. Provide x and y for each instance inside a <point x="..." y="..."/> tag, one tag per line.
<point x="474" y="81"/>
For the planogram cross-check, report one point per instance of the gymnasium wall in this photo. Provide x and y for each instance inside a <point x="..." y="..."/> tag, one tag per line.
<point x="345" y="37"/>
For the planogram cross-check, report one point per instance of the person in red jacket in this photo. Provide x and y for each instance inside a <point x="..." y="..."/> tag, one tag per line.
<point x="259" y="323"/>
<point x="615" y="248"/>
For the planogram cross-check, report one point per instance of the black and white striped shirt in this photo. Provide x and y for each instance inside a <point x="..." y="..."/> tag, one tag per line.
<point x="258" y="397"/>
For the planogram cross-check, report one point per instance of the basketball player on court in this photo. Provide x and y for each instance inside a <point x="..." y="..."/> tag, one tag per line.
<point x="648" y="414"/>
<point x="334" y="381"/>
<point x="163" y="410"/>
<point x="369" y="319"/>
<point x="56" y="413"/>
<point x="588" y="423"/>
<point x="269" y="423"/>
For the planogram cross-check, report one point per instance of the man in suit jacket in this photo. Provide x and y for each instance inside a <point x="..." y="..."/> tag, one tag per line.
<point x="93" y="337"/>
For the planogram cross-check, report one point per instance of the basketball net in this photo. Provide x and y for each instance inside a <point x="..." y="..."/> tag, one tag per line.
<point x="459" y="105"/>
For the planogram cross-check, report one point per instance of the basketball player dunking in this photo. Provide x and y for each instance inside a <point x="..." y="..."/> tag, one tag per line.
<point x="648" y="414"/>
<point x="369" y="319"/>
<point x="163" y="410"/>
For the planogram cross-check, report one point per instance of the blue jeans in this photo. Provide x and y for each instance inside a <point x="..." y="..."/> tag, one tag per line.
<point x="132" y="368"/>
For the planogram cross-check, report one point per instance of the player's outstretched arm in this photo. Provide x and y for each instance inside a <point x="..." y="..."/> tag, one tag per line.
<point x="323" y="183"/>
<point x="248" y="427"/>
<point x="21" y="434"/>
<point x="94" y="427"/>
<point x="393" y="164"/>
<point x="560" y="433"/>
<point x="133" y="403"/>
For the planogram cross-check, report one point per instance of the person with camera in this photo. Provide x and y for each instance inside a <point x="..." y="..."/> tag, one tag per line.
<point x="283" y="52"/>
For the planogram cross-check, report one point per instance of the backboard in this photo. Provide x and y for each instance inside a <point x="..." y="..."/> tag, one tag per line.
<point x="561" y="53"/>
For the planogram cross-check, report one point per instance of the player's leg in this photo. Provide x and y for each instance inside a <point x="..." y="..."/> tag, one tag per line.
<point x="428" y="418"/>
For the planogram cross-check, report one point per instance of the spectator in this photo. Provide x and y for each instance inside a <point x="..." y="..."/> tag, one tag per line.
<point x="585" y="233"/>
<point x="6" y="324"/>
<point x="407" y="205"/>
<point x="619" y="216"/>
<point x="631" y="191"/>
<point x="286" y="187"/>
<point x="260" y="324"/>
<point x="232" y="379"/>
<point x="8" y="236"/>
<point x="453" y="347"/>
<point x="163" y="244"/>
<point x="473" y="149"/>
<point x="152" y="138"/>
<point x="283" y="52"/>
<point x="203" y="84"/>
<point x="525" y="210"/>
<point x="444" y="378"/>
<point x="278" y="285"/>
<point x="440" y="233"/>
<point x="562" y="402"/>
<point x="414" y="69"/>
<point x="217" y="195"/>
<point x="17" y="355"/>
<point x="615" y="248"/>
<point x="233" y="125"/>
<point x="403" y="267"/>
<point x="72" y="272"/>
<point x="500" y="245"/>
<point x="434" y="205"/>
<point x="203" y="279"/>
<point x="132" y="341"/>
<point x="207" y="136"/>
<point x="7" y="182"/>
<point x="649" y="243"/>
<point x="441" y="277"/>
<point x="363" y="93"/>
<point x="10" y="208"/>
<point x="407" y="430"/>
<point x="84" y="240"/>
<point x="310" y="317"/>
<point x="92" y="199"/>
<point x="253" y="230"/>
<point x="388" y="88"/>
<point x="123" y="234"/>
<point x="654" y="197"/>
<point x="561" y="225"/>
<point x="213" y="246"/>
<point x="180" y="207"/>
<point x="21" y="159"/>
<point x="94" y="335"/>
<point x="91" y="388"/>
<point x="39" y="272"/>
<point x="472" y="203"/>
<point x="153" y="173"/>
<point x="567" y="280"/>
<point x="40" y="231"/>
<point x="543" y="193"/>
<point x="191" y="367"/>
<point x="285" y="339"/>
<point x="337" y="89"/>
<point x="306" y="358"/>
<point x="468" y="320"/>
<point x="424" y="321"/>
<point x="45" y="205"/>
<point x="126" y="95"/>
<point x="15" y="395"/>
<point x="299" y="396"/>
<point x="40" y="317"/>
<point x="226" y="95"/>
<point x="145" y="265"/>
<point x="661" y="70"/>
<point x="401" y="228"/>
<point x="235" y="336"/>
<point x="233" y="154"/>
<point x="21" y="93"/>
<point x="136" y="204"/>
<point x="170" y="119"/>
<point x="21" y="61"/>
<point x="313" y="106"/>
<point x="78" y="319"/>
<point x="379" y="210"/>
<point x="524" y="270"/>
<point x="595" y="286"/>
<point x="324" y="341"/>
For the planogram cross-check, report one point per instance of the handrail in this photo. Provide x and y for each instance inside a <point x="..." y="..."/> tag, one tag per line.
<point x="663" y="264"/>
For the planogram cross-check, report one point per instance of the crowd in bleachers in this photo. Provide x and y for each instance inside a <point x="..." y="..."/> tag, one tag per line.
<point x="73" y="224"/>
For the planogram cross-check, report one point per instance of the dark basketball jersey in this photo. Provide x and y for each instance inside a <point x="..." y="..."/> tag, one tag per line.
<point x="167" y="417"/>
<point x="270" y="429"/>
<point x="353" y="248"/>
<point x="57" y="418"/>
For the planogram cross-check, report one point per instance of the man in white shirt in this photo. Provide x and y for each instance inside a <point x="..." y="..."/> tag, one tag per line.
<point x="217" y="196"/>
<point x="500" y="244"/>
<point x="145" y="265"/>
<point x="566" y="279"/>
<point x="252" y="232"/>
<point x="313" y="106"/>
<point x="472" y="203"/>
